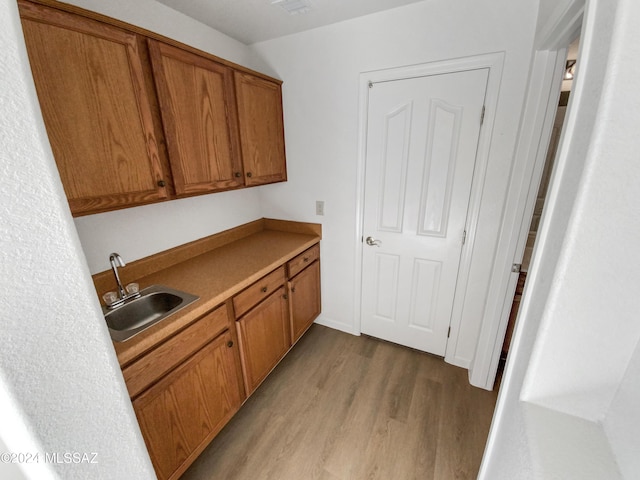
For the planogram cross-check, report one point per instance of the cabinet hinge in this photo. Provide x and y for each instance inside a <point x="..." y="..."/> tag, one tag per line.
<point x="516" y="267"/>
<point x="449" y="332"/>
<point x="482" y="115"/>
<point x="464" y="237"/>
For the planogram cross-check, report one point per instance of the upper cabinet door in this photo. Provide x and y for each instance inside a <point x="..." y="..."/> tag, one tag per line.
<point x="90" y="83"/>
<point x="261" y="129"/>
<point x="199" y="118"/>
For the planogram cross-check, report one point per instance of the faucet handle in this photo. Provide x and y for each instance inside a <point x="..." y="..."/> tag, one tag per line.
<point x="109" y="298"/>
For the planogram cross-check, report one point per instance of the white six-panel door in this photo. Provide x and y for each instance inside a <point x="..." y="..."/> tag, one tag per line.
<point x="422" y="138"/>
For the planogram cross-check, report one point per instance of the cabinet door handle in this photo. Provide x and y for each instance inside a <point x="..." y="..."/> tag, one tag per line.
<point x="162" y="183"/>
<point x="230" y="343"/>
<point x="293" y="289"/>
<point x="249" y="174"/>
<point x="263" y="289"/>
<point x="237" y="174"/>
<point x="285" y="296"/>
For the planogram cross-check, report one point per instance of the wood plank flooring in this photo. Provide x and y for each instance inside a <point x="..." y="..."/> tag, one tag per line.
<point x="341" y="407"/>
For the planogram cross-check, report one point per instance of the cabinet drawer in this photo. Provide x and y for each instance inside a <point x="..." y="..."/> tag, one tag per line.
<point x="300" y="262"/>
<point x="257" y="292"/>
<point x="159" y="361"/>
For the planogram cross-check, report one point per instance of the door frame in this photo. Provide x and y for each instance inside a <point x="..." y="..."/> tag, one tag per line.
<point x="536" y="124"/>
<point x="494" y="62"/>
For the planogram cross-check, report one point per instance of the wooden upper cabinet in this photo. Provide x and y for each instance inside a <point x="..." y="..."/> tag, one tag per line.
<point x="199" y="117"/>
<point x="112" y="95"/>
<point x="90" y="82"/>
<point x="261" y="129"/>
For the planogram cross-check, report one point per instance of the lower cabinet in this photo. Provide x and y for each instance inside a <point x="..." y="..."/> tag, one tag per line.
<point x="264" y="338"/>
<point x="182" y="413"/>
<point x="271" y="318"/>
<point x="304" y="298"/>
<point x="189" y="386"/>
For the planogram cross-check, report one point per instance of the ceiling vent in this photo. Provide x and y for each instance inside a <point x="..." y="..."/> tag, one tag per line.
<point x="294" y="7"/>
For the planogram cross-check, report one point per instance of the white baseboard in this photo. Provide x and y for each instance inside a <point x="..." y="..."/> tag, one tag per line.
<point x="343" y="327"/>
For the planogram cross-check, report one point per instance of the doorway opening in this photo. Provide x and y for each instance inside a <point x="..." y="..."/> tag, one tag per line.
<point x="547" y="173"/>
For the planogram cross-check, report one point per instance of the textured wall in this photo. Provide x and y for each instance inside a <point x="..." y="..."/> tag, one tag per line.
<point x="60" y="384"/>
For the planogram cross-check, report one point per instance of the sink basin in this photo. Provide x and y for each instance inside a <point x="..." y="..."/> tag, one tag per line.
<point x="154" y="304"/>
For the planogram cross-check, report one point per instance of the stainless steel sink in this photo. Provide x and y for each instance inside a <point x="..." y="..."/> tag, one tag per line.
<point x="136" y="315"/>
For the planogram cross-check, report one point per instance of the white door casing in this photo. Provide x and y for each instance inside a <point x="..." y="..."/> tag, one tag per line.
<point x="422" y="140"/>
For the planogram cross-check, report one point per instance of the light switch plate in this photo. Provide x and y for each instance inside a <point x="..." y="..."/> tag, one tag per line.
<point x="319" y="207"/>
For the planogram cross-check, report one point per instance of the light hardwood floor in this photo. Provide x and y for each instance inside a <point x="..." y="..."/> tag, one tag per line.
<point x="341" y="407"/>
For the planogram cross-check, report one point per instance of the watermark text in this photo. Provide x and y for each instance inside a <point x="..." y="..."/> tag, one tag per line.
<point x="49" y="457"/>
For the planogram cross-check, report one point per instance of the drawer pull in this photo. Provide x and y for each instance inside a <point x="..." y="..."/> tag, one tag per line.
<point x="230" y="343"/>
<point x="306" y="259"/>
<point x="263" y="289"/>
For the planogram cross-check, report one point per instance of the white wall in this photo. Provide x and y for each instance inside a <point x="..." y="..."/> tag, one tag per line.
<point x="622" y="421"/>
<point x="574" y="358"/>
<point x="572" y="345"/>
<point x="159" y="18"/>
<point x="321" y="70"/>
<point x="61" y="389"/>
<point x="142" y="231"/>
<point x="548" y="12"/>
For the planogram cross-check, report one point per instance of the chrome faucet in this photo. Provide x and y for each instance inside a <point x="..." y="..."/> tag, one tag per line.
<point x="124" y="294"/>
<point x="116" y="261"/>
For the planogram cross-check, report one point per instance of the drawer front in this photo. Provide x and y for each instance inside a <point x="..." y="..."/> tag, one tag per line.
<point x="169" y="354"/>
<point x="257" y="292"/>
<point x="303" y="260"/>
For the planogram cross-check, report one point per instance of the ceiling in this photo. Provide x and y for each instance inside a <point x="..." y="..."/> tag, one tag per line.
<point x="251" y="21"/>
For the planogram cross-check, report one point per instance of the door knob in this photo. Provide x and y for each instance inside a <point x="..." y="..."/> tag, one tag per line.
<point x="373" y="242"/>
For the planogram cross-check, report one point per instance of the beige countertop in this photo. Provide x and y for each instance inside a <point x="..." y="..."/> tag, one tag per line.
<point x="214" y="275"/>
